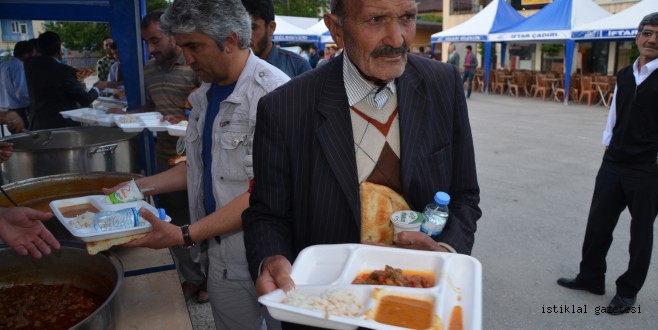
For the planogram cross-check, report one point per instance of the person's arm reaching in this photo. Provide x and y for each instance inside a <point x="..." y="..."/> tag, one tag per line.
<point x="22" y="230"/>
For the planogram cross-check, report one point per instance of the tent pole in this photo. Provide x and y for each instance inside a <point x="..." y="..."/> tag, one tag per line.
<point x="487" y="64"/>
<point x="568" y="60"/>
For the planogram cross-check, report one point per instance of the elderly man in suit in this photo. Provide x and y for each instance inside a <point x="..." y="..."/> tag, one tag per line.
<point x="375" y="113"/>
<point x="53" y="86"/>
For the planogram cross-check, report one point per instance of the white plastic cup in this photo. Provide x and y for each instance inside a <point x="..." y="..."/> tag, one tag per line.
<point x="406" y="220"/>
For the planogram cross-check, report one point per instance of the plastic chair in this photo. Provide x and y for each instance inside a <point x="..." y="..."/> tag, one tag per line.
<point x="519" y="81"/>
<point x="586" y="89"/>
<point x="542" y="86"/>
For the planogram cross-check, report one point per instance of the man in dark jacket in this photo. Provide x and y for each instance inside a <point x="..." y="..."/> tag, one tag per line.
<point x="53" y="86"/>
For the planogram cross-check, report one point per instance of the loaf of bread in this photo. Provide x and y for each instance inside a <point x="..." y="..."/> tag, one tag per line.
<point x="377" y="204"/>
<point x="102" y="245"/>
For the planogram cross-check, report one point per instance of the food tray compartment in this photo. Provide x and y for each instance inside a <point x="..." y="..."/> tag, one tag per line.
<point x="101" y="203"/>
<point x="140" y="124"/>
<point x="321" y="264"/>
<point x="155" y="125"/>
<point x="370" y="258"/>
<point x="312" y="317"/>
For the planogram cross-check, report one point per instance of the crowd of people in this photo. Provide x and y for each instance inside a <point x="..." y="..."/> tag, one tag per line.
<point x="275" y="147"/>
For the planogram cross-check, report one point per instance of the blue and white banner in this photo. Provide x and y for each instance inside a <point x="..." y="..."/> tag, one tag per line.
<point x="605" y="34"/>
<point x="467" y="38"/>
<point x="298" y="38"/>
<point x="531" y="35"/>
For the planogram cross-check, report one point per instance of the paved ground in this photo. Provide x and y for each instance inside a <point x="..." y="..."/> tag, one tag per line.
<point x="536" y="164"/>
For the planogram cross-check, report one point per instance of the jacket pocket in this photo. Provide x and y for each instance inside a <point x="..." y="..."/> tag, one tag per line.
<point x="233" y="150"/>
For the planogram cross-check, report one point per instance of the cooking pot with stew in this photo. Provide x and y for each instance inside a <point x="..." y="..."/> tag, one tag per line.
<point x="77" y="290"/>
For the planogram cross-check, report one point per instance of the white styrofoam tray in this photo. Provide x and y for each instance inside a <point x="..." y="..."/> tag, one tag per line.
<point x="176" y="130"/>
<point x="90" y="116"/>
<point x="327" y="267"/>
<point x="102" y="203"/>
<point x="147" y="120"/>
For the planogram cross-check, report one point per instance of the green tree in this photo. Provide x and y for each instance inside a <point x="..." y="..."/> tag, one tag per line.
<point x="303" y="8"/>
<point x="80" y="35"/>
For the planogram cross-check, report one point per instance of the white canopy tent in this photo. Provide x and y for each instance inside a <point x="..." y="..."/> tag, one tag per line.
<point x="622" y="25"/>
<point x="287" y="32"/>
<point x="322" y="31"/>
<point x="495" y="16"/>
<point x="554" y="23"/>
<point x="302" y="22"/>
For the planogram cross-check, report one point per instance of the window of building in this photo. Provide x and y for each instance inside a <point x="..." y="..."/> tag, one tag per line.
<point x="19" y="27"/>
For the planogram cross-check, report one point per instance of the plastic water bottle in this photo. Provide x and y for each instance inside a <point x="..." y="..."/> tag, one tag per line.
<point x="436" y="215"/>
<point x="115" y="220"/>
<point x="121" y="219"/>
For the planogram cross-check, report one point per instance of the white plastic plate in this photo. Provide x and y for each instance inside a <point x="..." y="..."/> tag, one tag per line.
<point x="102" y="203"/>
<point x="328" y="267"/>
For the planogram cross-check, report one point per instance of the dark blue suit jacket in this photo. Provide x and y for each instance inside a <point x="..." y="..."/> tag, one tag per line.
<point x="53" y="87"/>
<point x="306" y="188"/>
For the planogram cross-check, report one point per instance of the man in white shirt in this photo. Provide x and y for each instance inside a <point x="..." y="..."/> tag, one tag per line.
<point x="628" y="177"/>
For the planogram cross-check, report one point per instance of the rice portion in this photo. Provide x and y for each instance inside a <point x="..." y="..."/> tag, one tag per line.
<point x="82" y="221"/>
<point x="182" y="123"/>
<point x="128" y="119"/>
<point x="331" y="302"/>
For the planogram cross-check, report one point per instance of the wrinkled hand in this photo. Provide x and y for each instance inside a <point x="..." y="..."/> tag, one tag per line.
<point x="163" y="235"/>
<point x="13" y="121"/>
<point x="417" y="241"/>
<point x="173" y="119"/>
<point x="22" y="230"/>
<point x="275" y="274"/>
<point x="6" y="150"/>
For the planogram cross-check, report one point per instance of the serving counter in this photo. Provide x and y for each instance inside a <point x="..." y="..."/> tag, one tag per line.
<point x="150" y="296"/>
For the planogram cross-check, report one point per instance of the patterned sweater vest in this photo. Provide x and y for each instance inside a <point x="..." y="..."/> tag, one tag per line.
<point x="377" y="143"/>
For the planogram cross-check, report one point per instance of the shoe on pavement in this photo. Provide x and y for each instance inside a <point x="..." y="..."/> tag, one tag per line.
<point x="578" y="284"/>
<point x="202" y="296"/>
<point x="190" y="290"/>
<point x="620" y="305"/>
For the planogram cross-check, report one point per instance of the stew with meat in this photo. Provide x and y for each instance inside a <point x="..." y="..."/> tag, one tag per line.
<point x="41" y="306"/>
<point x="396" y="277"/>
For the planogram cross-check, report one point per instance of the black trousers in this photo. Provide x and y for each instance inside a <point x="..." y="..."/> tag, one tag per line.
<point x="621" y="185"/>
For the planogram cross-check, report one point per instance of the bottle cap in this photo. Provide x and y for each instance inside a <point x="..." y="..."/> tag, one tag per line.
<point x="442" y="198"/>
<point x="161" y="214"/>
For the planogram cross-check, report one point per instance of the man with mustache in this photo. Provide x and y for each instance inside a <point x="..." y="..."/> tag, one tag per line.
<point x="628" y="177"/>
<point x="262" y="29"/>
<point x="375" y="113"/>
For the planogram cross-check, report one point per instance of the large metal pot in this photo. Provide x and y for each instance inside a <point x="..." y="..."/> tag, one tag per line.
<point x="101" y="274"/>
<point x="71" y="150"/>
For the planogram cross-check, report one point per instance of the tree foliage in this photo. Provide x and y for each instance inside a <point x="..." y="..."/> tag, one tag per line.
<point x="80" y="35"/>
<point x="303" y="8"/>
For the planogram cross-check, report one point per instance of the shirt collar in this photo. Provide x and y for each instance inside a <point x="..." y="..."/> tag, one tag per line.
<point x="648" y="68"/>
<point x="358" y="88"/>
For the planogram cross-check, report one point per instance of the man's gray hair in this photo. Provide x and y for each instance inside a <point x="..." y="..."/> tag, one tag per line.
<point x="651" y="19"/>
<point x="217" y="19"/>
